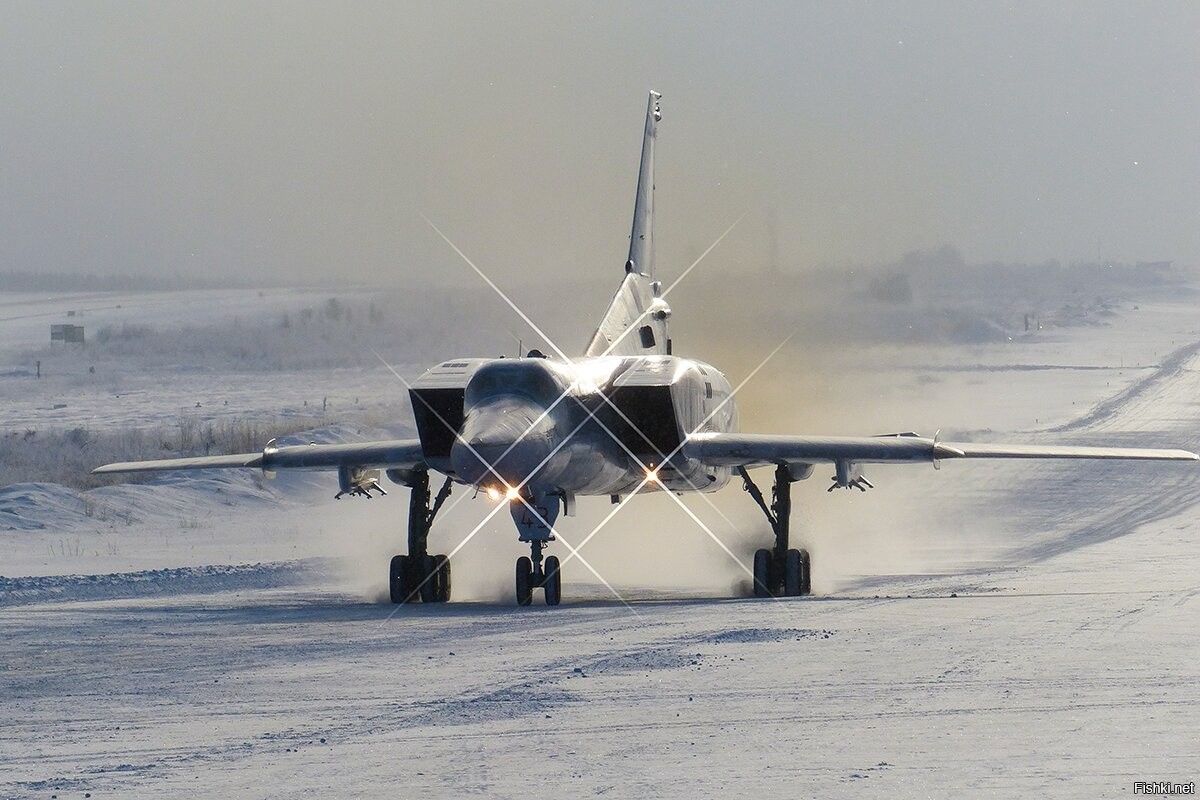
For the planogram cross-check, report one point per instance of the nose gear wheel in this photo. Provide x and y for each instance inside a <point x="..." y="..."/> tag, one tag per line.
<point x="533" y="574"/>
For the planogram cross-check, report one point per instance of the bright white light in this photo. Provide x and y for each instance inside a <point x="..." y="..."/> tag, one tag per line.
<point x="652" y="476"/>
<point x="507" y="494"/>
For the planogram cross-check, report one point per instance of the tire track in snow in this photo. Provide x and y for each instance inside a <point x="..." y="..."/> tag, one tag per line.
<point x="1121" y="402"/>
<point x="1060" y="506"/>
<point x="158" y="582"/>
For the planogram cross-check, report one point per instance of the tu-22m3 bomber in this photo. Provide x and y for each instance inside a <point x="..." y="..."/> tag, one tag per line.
<point x="629" y="416"/>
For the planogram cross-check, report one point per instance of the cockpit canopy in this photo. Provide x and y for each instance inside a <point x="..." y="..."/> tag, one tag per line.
<point x="530" y="378"/>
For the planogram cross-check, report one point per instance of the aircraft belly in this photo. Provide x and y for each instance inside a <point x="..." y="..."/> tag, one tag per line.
<point x="594" y="465"/>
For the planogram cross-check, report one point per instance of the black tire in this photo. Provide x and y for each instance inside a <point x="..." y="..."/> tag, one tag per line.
<point x="553" y="581"/>
<point x="443" y="579"/>
<point x="805" y="573"/>
<point x="793" y="574"/>
<point x="762" y="573"/>
<point x="398" y="585"/>
<point x="429" y="580"/>
<point x="524" y="581"/>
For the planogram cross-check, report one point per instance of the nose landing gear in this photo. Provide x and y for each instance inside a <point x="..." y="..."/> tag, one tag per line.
<point x="535" y="515"/>
<point x="531" y="574"/>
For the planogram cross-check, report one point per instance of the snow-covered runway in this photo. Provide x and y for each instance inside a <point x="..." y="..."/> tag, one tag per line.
<point x="1073" y="677"/>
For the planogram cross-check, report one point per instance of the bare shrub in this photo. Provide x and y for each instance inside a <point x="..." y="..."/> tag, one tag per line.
<point x="68" y="456"/>
<point x="124" y="332"/>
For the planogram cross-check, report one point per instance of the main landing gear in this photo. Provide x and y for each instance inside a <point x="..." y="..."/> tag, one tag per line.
<point x="780" y="571"/>
<point x="419" y="574"/>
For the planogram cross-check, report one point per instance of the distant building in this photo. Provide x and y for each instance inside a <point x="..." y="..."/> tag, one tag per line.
<point x="67" y="334"/>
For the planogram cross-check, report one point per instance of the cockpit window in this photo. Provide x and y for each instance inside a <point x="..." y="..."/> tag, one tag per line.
<point x="531" y="380"/>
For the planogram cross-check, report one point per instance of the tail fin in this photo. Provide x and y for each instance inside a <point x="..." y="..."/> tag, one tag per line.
<point x="636" y="320"/>
<point x="641" y="238"/>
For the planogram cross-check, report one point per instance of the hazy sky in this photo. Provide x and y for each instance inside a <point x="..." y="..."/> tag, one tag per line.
<point x="292" y="138"/>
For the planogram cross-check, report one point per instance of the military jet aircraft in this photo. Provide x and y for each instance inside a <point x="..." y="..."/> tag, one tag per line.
<point x="627" y="417"/>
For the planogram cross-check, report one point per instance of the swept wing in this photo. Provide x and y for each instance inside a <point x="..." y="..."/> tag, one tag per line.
<point x="402" y="454"/>
<point x="757" y="450"/>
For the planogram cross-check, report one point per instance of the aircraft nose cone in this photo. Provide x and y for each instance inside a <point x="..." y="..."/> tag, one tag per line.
<point x="501" y="438"/>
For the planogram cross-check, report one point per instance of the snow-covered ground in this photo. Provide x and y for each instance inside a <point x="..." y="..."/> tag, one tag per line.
<point x="1074" y="677"/>
<point x="993" y="629"/>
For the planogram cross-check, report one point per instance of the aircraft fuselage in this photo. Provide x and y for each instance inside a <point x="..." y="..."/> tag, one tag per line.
<point x="595" y="426"/>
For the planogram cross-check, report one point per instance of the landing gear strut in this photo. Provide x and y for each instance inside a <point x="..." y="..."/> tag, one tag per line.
<point x="419" y="574"/>
<point x="780" y="571"/>
<point x="535" y="516"/>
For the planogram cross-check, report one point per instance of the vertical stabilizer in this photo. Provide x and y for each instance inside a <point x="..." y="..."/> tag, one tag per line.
<point x="641" y="238"/>
<point x="636" y="320"/>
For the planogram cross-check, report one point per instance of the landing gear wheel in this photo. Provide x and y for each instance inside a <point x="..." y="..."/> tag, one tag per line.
<point x="398" y="583"/>
<point x="793" y="574"/>
<point x="524" y="581"/>
<point x="762" y="573"/>
<point x="429" y="580"/>
<point x="553" y="581"/>
<point x="443" y="579"/>
<point x="805" y="573"/>
<point x="435" y="579"/>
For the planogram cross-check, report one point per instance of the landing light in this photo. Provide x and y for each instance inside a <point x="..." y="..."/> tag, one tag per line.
<point x="652" y="476"/>
<point x="496" y="495"/>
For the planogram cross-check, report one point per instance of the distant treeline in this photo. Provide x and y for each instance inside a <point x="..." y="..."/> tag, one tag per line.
<point x="77" y="282"/>
<point x="928" y="297"/>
